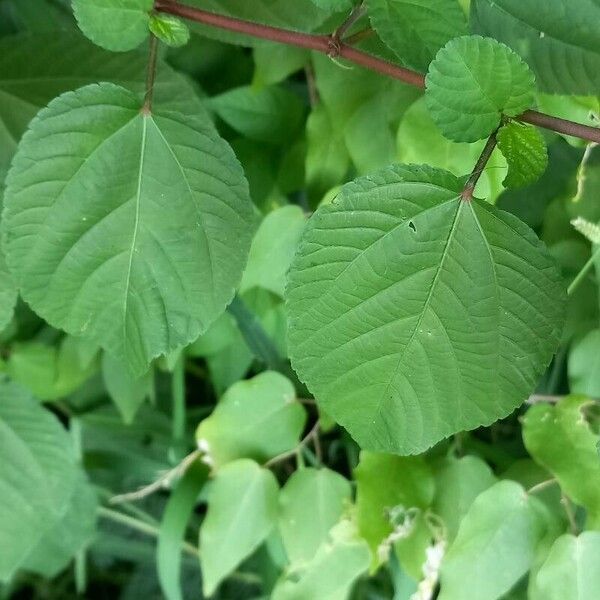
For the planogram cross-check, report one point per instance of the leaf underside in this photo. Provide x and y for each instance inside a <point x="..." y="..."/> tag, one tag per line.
<point x="414" y="315"/>
<point x="128" y="228"/>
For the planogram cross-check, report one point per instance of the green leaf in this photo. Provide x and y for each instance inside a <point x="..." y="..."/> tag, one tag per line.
<point x="383" y="483"/>
<point x="419" y="141"/>
<point x="559" y="39"/>
<point x="458" y="483"/>
<point x="273" y="248"/>
<point x="258" y="418"/>
<point x="268" y="114"/>
<point x="116" y="25"/>
<point x="495" y="545"/>
<point x="50" y="372"/>
<point x="242" y="511"/>
<point x="174" y="522"/>
<point x="37" y="483"/>
<point x="401" y="376"/>
<point x="525" y="151"/>
<point x="159" y="282"/>
<point x="127" y="392"/>
<point x="170" y="30"/>
<point x="416" y="30"/>
<point x="584" y="365"/>
<point x="463" y="100"/>
<point x="333" y="5"/>
<point x="275" y="62"/>
<point x="572" y="569"/>
<point x="8" y="293"/>
<point x="332" y="571"/>
<point x="560" y="439"/>
<point x="311" y="503"/>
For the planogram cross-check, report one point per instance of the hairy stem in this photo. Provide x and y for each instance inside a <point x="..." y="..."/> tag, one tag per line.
<point x="323" y="43"/>
<point x="482" y="161"/>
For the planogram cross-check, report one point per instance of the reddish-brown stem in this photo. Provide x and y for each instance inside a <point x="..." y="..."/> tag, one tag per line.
<point x="151" y="74"/>
<point x="357" y="12"/>
<point x="328" y="44"/>
<point x="467" y="193"/>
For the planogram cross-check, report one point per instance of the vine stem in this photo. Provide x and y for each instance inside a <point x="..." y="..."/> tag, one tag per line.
<point x="467" y="193"/>
<point x="151" y="74"/>
<point x="336" y="48"/>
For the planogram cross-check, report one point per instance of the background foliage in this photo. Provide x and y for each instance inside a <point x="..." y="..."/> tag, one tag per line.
<point x="257" y="337"/>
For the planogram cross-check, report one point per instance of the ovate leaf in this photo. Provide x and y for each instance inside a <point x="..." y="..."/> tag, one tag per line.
<point x="402" y="375"/>
<point x="464" y="100"/>
<point x="311" y="503"/>
<point x="571" y="570"/>
<point x="560" y="39"/>
<point x="257" y="418"/>
<point x="134" y="230"/>
<point x="386" y="484"/>
<point x="415" y="31"/>
<point x="332" y="571"/>
<point x="495" y="545"/>
<point x="171" y="30"/>
<point x="242" y="510"/>
<point x="560" y="439"/>
<point x="116" y="25"/>
<point x="38" y="473"/>
<point x="525" y="151"/>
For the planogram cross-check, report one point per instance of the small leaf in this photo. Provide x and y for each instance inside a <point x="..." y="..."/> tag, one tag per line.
<point x="127" y="392"/>
<point x="242" y="511"/>
<point x="464" y="100"/>
<point x="85" y="228"/>
<point x="458" y="483"/>
<point x="416" y="30"/>
<point x="258" y="418"/>
<point x="495" y="545"/>
<point x="312" y="502"/>
<point x="525" y="151"/>
<point x="560" y="439"/>
<point x="401" y="376"/>
<point x="170" y="30"/>
<point x="572" y="569"/>
<point x="116" y="25"/>
<point x="333" y="570"/>
<point x="384" y="483"/>
<point x="591" y="231"/>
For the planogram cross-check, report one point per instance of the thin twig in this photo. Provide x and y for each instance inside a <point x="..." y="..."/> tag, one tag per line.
<point x="285" y="455"/>
<point x="355" y="14"/>
<point x="151" y="74"/>
<point x="322" y="43"/>
<point x="163" y="481"/>
<point x="313" y="93"/>
<point x="570" y="514"/>
<point x="538" y="487"/>
<point x="467" y="193"/>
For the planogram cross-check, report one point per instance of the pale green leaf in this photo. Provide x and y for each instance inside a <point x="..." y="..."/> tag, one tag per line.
<point x="420" y="141"/>
<point x="38" y="472"/>
<point x="332" y="571"/>
<point x="401" y="376"/>
<point x="269" y="114"/>
<point x="50" y="372"/>
<point x="8" y="293"/>
<point x="416" y="30"/>
<point x="458" y="483"/>
<point x="170" y="30"/>
<point x="495" y="545"/>
<point x="242" y="511"/>
<point x="571" y="570"/>
<point x="126" y="391"/>
<point x="560" y="439"/>
<point x="275" y="62"/>
<point x="158" y="282"/>
<point x="525" y="151"/>
<point x="311" y="503"/>
<point x="257" y="418"/>
<point x="273" y="248"/>
<point x="116" y="25"/>
<point x="560" y="39"/>
<point x="584" y="365"/>
<point x="384" y="483"/>
<point x="464" y="100"/>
